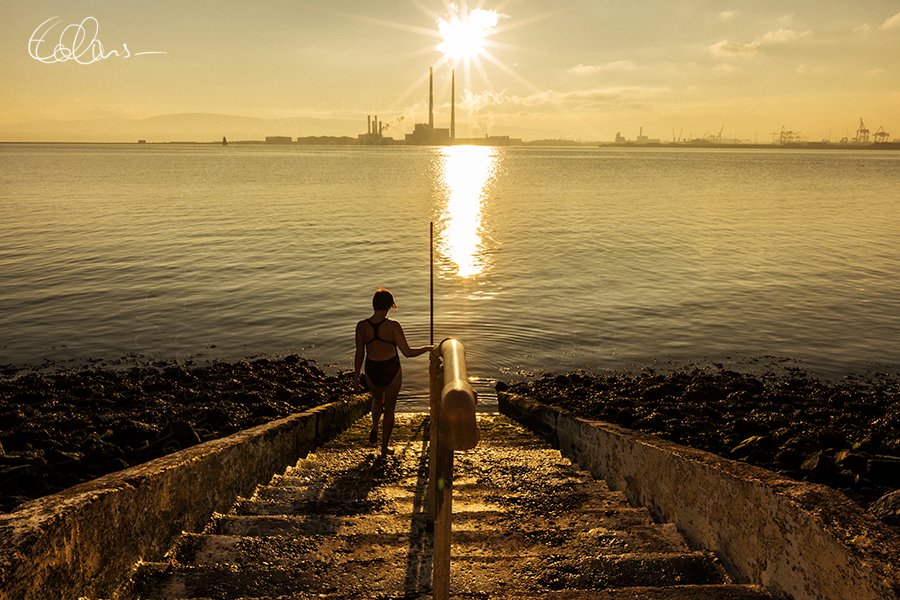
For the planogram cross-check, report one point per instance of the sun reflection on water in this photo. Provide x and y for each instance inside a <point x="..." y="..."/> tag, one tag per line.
<point x="466" y="173"/>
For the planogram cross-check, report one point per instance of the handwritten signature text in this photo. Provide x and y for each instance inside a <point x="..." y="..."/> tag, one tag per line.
<point x="76" y="42"/>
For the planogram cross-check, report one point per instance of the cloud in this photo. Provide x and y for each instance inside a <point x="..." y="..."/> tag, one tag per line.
<point x="810" y="69"/>
<point x="864" y="28"/>
<point x="472" y="102"/>
<point x="784" y="36"/>
<point x="616" y="65"/>
<point x="729" y="49"/>
<point x="785" y="19"/>
<point x="726" y="49"/>
<point x="727" y="15"/>
<point x="891" y="22"/>
<point x="875" y="73"/>
<point x="492" y="101"/>
<point x="606" y="94"/>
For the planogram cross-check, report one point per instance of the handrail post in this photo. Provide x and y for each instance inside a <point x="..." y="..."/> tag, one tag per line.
<point x="436" y="375"/>
<point x="452" y="427"/>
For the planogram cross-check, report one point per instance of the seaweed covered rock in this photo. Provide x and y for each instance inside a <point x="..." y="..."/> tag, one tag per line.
<point x="59" y="427"/>
<point x="843" y="433"/>
<point x="887" y="508"/>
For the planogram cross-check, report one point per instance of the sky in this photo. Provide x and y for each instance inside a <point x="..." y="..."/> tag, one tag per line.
<point x="577" y="70"/>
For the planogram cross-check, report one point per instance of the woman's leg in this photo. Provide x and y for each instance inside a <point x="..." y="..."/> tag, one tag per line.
<point x="390" y="403"/>
<point x="377" y="408"/>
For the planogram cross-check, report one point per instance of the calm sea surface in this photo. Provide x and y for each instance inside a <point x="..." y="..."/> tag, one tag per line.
<point x="545" y="259"/>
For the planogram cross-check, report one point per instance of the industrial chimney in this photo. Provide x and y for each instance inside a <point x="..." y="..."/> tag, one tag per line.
<point x="430" y="98"/>
<point x="452" y="105"/>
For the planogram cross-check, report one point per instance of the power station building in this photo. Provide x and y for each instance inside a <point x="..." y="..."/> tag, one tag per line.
<point x="426" y="134"/>
<point x="374" y="135"/>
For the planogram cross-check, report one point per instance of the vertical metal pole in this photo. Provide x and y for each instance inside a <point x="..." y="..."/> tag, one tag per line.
<point x="440" y="580"/>
<point x="431" y="283"/>
<point x="436" y="382"/>
<point x="440" y="466"/>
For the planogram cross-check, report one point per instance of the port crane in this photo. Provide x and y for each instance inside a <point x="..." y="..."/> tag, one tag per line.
<point x="716" y="138"/>
<point x="881" y="135"/>
<point x="785" y="136"/>
<point x="862" y="134"/>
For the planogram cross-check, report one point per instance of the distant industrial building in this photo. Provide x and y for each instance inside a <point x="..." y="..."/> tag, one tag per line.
<point x="426" y="134"/>
<point x="491" y="140"/>
<point x="374" y="135"/>
<point x="642" y="140"/>
<point x="278" y="139"/>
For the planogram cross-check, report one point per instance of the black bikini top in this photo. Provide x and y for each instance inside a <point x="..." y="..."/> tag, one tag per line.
<point x="375" y="328"/>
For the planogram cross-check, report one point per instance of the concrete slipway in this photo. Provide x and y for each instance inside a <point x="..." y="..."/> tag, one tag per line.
<point x="634" y="517"/>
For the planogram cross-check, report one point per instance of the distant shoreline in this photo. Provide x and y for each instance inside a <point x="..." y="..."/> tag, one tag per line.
<point x="345" y="142"/>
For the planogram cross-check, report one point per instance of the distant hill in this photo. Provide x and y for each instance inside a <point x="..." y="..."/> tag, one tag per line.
<point x="186" y="127"/>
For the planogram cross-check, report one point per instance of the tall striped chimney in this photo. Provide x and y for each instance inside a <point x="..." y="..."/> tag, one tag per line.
<point x="430" y="98"/>
<point x="452" y="105"/>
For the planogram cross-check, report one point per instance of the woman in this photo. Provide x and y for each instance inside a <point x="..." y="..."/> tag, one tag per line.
<point x="378" y="339"/>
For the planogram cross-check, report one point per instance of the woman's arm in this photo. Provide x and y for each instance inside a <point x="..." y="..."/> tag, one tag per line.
<point x="358" y="357"/>
<point x="402" y="344"/>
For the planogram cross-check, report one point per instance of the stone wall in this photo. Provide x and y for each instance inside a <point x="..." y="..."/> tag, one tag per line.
<point x="802" y="540"/>
<point x="85" y="540"/>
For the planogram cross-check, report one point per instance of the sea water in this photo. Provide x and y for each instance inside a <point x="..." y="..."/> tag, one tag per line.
<point x="545" y="259"/>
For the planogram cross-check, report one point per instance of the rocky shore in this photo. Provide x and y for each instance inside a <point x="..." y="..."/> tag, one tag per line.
<point x="844" y="434"/>
<point x="62" y="426"/>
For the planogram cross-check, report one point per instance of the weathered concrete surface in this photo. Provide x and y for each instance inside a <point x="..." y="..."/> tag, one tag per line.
<point x="82" y="541"/>
<point x="800" y="539"/>
<point x="345" y="524"/>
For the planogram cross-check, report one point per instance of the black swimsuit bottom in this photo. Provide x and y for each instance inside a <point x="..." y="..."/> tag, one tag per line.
<point x="381" y="372"/>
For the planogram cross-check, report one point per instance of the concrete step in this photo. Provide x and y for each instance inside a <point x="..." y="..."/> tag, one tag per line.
<point x="678" y="592"/>
<point x="358" y="580"/>
<point x="581" y="522"/>
<point x="688" y="592"/>
<point x="630" y="570"/>
<point x="315" y="579"/>
<point x="287" y="550"/>
<point x="714" y="592"/>
<point x="526" y="523"/>
<point x="573" y="495"/>
<point x="395" y="500"/>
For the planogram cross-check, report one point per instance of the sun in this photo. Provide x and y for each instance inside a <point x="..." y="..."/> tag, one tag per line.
<point x="467" y="40"/>
<point x="463" y="35"/>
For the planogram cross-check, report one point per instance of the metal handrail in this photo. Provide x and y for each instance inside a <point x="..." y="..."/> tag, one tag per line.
<point x="453" y="427"/>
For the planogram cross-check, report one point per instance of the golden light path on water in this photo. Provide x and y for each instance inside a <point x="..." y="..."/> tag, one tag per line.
<point x="465" y="175"/>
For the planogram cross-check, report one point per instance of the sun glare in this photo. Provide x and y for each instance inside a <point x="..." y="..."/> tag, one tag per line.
<point x="466" y="173"/>
<point x="463" y="36"/>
